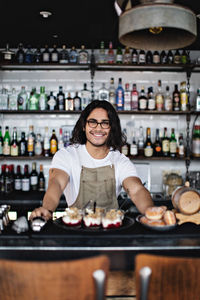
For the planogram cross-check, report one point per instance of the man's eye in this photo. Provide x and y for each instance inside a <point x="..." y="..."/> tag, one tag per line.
<point x="105" y="123"/>
<point x="92" y="121"/>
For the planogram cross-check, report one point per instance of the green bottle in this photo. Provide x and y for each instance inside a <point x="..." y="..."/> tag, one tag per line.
<point x="42" y="99"/>
<point x="173" y="144"/>
<point x="119" y="55"/>
<point x="1" y="142"/>
<point x="6" y="142"/>
<point x="34" y="100"/>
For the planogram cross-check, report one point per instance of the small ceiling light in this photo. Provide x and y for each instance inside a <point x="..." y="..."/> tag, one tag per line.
<point x="157" y="25"/>
<point x="45" y="14"/>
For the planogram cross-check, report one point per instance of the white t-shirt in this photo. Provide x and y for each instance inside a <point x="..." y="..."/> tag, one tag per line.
<point x="72" y="158"/>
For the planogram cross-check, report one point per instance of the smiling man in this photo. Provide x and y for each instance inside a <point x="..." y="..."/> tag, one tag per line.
<point x="92" y="167"/>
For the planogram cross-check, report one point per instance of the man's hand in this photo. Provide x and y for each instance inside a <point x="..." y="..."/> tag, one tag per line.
<point x="41" y="212"/>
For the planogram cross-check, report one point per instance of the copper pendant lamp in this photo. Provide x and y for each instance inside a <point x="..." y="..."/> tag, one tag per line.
<point x="156" y="25"/>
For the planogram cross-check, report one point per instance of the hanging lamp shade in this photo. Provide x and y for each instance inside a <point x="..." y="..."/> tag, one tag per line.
<point x="157" y="25"/>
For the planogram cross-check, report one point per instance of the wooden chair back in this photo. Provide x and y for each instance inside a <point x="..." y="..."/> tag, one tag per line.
<point x="172" y="278"/>
<point x="57" y="280"/>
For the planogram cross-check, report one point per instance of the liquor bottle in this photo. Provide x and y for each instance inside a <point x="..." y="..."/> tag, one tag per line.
<point x="125" y="149"/>
<point x="133" y="146"/>
<point x="64" y="55"/>
<point x="181" y="146"/>
<point x="23" y="145"/>
<point x="34" y="178"/>
<point x="127" y="58"/>
<point x="12" y="174"/>
<point x="157" y="144"/>
<point x="51" y="102"/>
<point x="177" y="57"/>
<point x="7" y="180"/>
<point x="37" y="56"/>
<point x="103" y="93"/>
<point x="83" y="56"/>
<point x="163" y="57"/>
<point x="112" y="96"/>
<point x="197" y="102"/>
<point x="46" y="55"/>
<point x="4" y="99"/>
<point x="22" y="99"/>
<point x="172" y="144"/>
<point x="176" y="99"/>
<point x="102" y="56"/>
<point x="141" y="57"/>
<point x="6" y="142"/>
<point x="119" y="55"/>
<point x="183" y="96"/>
<point x="142" y="100"/>
<point x="85" y="96"/>
<point x="53" y="143"/>
<point x="26" y="179"/>
<point x="31" y="141"/>
<point x="134" y="98"/>
<point x="148" y="146"/>
<point x="73" y="56"/>
<point x="151" y="102"/>
<point x="12" y="100"/>
<point x="18" y="179"/>
<point x="168" y="105"/>
<point x="141" y="141"/>
<point x="14" y="148"/>
<point x="196" y="141"/>
<point x="61" y="99"/>
<point x="66" y="139"/>
<point x="33" y="101"/>
<point x="120" y="96"/>
<point x="170" y="57"/>
<point x="20" y="55"/>
<point x="29" y="55"/>
<point x="7" y="55"/>
<point x="156" y="57"/>
<point x="46" y="143"/>
<point x="184" y="57"/>
<point x="54" y="55"/>
<point x="77" y="102"/>
<point x="69" y="102"/>
<point x="134" y="57"/>
<point x="2" y="175"/>
<point x="42" y="99"/>
<point x="149" y="57"/>
<point x="1" y="142"/>
<point x="41" y="180"/>
<point x="38" y="144"/>
<point x="159" y="97"/>
<point x="165" y="143"/>
<point x="60" y="139"/>
<point x="127" y="97"/>
<point x="111" y="55"/>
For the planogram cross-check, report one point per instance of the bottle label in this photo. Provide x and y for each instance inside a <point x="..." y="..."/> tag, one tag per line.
<point x="181" y="150"/>
<point x="119" y="58"/>
<point x="196" y="147"/>
<point x="143" y="103"/>
<point x="133" y="150"/>
<point x="83" y="58"/>
<point x="14" y="150"/>
<point x="18" y="184"/>
<point x="159" y="102"/>
<point x="6" y="148"/>
<point x="54" y="57"/>
<point x="184" y="101"/>
<point x="30" y="144"/>
<point x="125" y="150"/>
<point x="52" y="103"/>
<point x="172" y="147"/>
<point x="148" y="151"/>
<point x="25" y="184"/>
<point x="127" y="101"/>
<point x="53" y="146"/>
<point x="158" y="149"/>
<point x="34" y="180"/>
<point x="151" y="104"/>
<point x="46" y="57"/>
<point x="165" y="146"/>
<point x="168" y="104"/>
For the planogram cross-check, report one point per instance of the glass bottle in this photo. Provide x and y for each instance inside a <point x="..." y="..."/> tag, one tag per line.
<point x="37" y="56"/>
<point x="184" y="57"/>
<point x="18" y="179"/>
<point x="46" y="143"/>
<point x="31" y="141"/>
<point x="54" y="55"/>
<point x="196" y="141"/>
<point x="7" y="180"/>
<point x="151" y="102"/>
<point x="33" y="102"/>
<point x="112" y="96"/>
<point x="119" y="55"/>
<point x="173" y="144"/>
<point x="127" y="97"/>
<point x="23" y="145"/>
<point x="134" y="57"/>
<point x="12" y="100"/>
<point x="85" y="96"/>
<point x="157" y="144"/>
<point x="134" y="98"/>
<point x="4" y="99"/>
<point x="69" y="102"/>
<point x="60" y="139"/>
<point x="159" y="97"/>
<point x="34" y="178"/>
<point x="2" y="175"/>
<point x="20" y="54"/>
<point x="66" y="139"/>
<point x="170" y="57"/>
<point x="22" y="99"/>
<point x="120" y="96"/>
<point x="126" y="147"/>
<point x="156" y="57"/>
<point x="197" y="102"/>
<point x="26" y="179"/>
<point x="46" y="55"/>
<point x="41" y="180"/>
<point x="77" y="102"/>
<point x="141" y="57"/>
<point x="6" y="142"/>
<point x="42" y="99"/>
<point x="176" y="98"/>
<point x="141" y="141"/>
<point x="181" y="146"/>
<point x="29" y="55"/>
<point x="103" y="92"/>
<point x="111" y="55"/>
<point x="149" y="57"/>
<point x="53" y="143"/>
<point x="64" y="55"/>
<point x="7" y="55"/>
<point x="148" y="146"/>
<point x="14" y="148"/>
<point x="163" y="57"/>
<point x="83" y="56"/>
<point x="168" y="100"/>
<point x="38" y="144"/>
<point x="1" y="142"/>
<point x="73" y="56"/>
<point x="127" y="56"/>
<point x="61" y="99"/>
<point x="102" y="58"/>
<point x="183" y="96"/>
<point x="165" y="143"/>
<point x="177" y="57"/>
<point x="133" y="146"/>
<point x="142" y="100"/>
<point x="51" y="102"/>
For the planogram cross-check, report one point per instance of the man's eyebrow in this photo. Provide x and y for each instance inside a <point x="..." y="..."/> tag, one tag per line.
<point x="97" y="121"/>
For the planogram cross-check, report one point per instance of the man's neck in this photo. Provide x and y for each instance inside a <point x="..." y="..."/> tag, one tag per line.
<point x="97" y="152"/>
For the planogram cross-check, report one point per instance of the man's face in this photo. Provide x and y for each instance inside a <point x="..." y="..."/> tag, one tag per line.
<point x="97" y="136"/>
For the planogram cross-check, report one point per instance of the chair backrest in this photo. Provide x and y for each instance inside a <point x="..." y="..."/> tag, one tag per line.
<point x="172" y="278"/>
<point x="55" y="280"/>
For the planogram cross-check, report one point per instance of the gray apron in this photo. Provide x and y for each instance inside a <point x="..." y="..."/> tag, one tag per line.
<point x="97" y="184"/>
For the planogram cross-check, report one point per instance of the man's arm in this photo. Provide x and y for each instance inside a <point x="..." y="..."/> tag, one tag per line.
<point x="58" y="180"/>
<point x="138" y="193"/>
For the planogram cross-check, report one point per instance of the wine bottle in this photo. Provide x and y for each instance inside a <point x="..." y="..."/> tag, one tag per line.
<point x="148" y="147"/>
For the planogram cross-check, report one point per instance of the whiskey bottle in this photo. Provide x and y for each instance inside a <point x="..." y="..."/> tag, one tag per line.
<point x="165" y="143"/>
<point x="31" y="141"/>
<point x="23" y="145"/>
<point x="127" y="56"/>
<point x="26" y="179"/>
<point x="18" y="179"/>
<point x="38" y="145"/>
<point x="142" y="100"/>
<point x="176" y="98"/>
<point x="148" y="147"/>
<point x="64" y="55"/>
<point x="133" y="146"/>
<point x="126" y="147"/>
<point x="170" y="57"/>
<point x="159" y="97"/>
<point x="14" y="149"/>
<point x="168" y="100"/>
<point x="151" y="102"/>
<point x="34" y="178"/>
<point x="54" y="55"/>
<point x="172" y="144"/>
<point x="53" y="143"/>
<point x="183" y="96"/>
<point x="83" y="56"/>
<point x="46" y="143"/>
<point x="157" y="144"/>
<point x="41" y="180"/>
<point x="177" y="57"/>
<point x="149" y="57"/>
<point x="181" y="146"/>
<point x="141" y="57"/>
<point x="69" y="102"/>
<point x="134" y="57"/>
<point x="156" y="57"/>
<point x="85" y="96"/>
<point x="163" y="57"/>
<point x="112" y="96"/>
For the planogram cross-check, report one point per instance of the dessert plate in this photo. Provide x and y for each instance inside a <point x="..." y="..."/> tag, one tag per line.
<point x="156" y="228"/>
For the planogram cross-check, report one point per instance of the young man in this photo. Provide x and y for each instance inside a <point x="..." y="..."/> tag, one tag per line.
<point x="92" y="168"/>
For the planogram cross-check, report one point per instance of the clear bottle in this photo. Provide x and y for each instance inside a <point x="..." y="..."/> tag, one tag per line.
<point x="165" y="143"/>
<point x="134" y="98"/>
<point x="6" y="142"/>
<point x="69" y="102"/>
<point x="133" y="146"/>
<point x="26" y="179"/>
<point x="22" y="99"/>
<point x="127" y="57"/>
<point x="197" y="102"/>
<point x="37" y="56"/>
<point x="46" y="143"/>
<point x="4" y="99"/>
<point x="141" y="141"/>
<point x="60" y="139"/>
<point x="183" y="96"/>
<point x="73" y="56"/>
<point x="14" y="148"/>
<point x="119" y="55"/>
<point x="111" y="55"/>
<point x="1" y="142"/>
<point x="126" y="147"/>
<point x="42" y="99"/>
<point x="176" y="98"/>
<point x="41" y="180"/>
<point x="134" y="57"/>
<point x="127" y="97"/>
<point x="23" y="145"/>
<point x="112" y="96"/>
<point x="151" y="102"/>
<point x="20" y="54"/>
<point x="12" y="100"/>
<point x="18" y="179"/>
<point x="29" y="55"/>
<point x="103" y="92"/>
<point x="77" y="102"/>
<point x="85" y="96"/>
<point x="157" y="144"/>
<point x="148" y="147"/>
<point x="54" y="55"/>
<point x="38" y="144"/>
<point x="142" y="100"/>
<point x="64" y="55"/>
<point x="61" y="99"/>
<point x="53" y="143"/>
<point x="33" y="102"/>
<point x="31" y="141"/>
<point x="142" y="57"/>
<point x="66" y="139"/>
<point x="159" y="97"/>
<point x="168" y="104"/>
<point x="51" y="102"/>
<point x="102" y="54"/>
<point x="181" y="146"/>
<point x="156" y="57"/>
<point x="83" y="56"/>
<point x="46" y="55"/>
<point x="173" y="144"/>
<point x="120" y="96"/>
<point x="34" y="178"/>
<point x="7" y="55"/>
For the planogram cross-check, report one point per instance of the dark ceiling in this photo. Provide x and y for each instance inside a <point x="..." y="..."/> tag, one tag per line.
<point x="74" y="22"/>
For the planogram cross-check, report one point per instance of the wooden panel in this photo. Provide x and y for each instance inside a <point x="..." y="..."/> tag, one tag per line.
<point x="121" y="283"/>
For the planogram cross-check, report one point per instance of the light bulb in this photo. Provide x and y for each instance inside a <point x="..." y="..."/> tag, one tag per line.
<point x="155" y="30"/>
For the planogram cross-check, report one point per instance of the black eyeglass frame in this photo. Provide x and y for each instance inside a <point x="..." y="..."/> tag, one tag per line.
<point x="95" y="123"/>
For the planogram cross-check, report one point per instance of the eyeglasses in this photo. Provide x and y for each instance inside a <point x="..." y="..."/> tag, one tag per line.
<point x="93" y="124"/>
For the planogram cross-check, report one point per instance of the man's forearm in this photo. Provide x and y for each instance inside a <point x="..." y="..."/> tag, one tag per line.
<point x="52" y="197"/>
<point x="142" y="199"/>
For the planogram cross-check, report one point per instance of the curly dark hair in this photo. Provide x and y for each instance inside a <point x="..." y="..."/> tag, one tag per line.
<point x="116" y="137"/>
